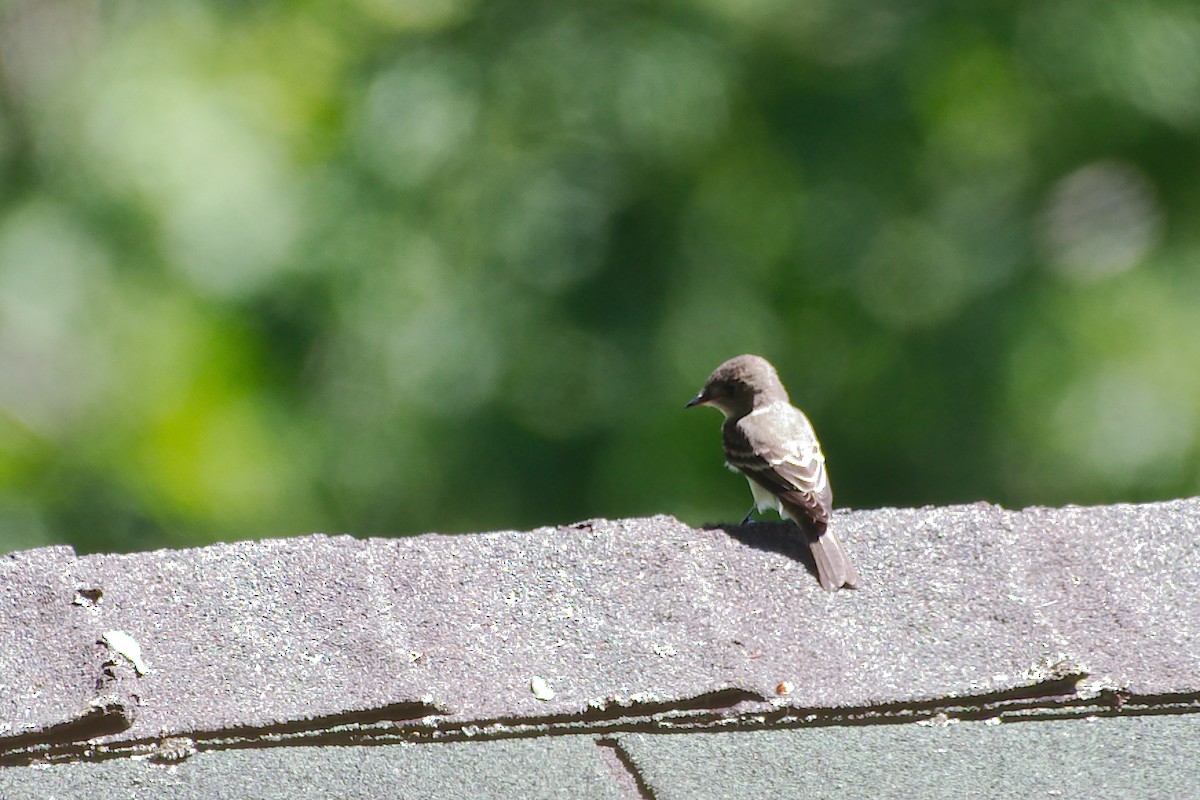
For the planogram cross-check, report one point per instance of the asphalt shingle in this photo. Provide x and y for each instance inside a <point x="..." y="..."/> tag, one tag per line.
<point x="1098" y="759"/>
<point x="643" y="624"/>
<point x="550" y="768"/>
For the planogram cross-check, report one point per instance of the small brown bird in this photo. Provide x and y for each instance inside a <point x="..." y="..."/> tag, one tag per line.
<point x="773" y="444"/>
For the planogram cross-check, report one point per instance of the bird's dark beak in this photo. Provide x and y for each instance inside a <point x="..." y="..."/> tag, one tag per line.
<point x="698" y="400"/>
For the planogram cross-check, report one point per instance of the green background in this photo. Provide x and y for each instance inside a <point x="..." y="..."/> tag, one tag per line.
<point x="392" y="266"/>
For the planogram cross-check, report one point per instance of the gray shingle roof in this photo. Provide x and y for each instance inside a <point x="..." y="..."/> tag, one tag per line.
<point x="637" y="626"/>
<point x="1101" y="759"/>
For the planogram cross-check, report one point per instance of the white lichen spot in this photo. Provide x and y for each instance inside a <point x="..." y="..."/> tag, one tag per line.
<point x="1088" y="688"/>
<point x="1056" y="667"/>
<point x="938" y="720"/>
<point x="173" y="749"/>
<point x="541" y="688"/>
<point x="126" y="645"/>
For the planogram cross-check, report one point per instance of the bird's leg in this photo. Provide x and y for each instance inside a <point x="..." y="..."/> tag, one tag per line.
<point x="749" y="515"/>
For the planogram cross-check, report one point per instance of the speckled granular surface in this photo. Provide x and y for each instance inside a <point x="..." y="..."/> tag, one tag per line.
<point x="1101" y="759"/>
<point x="639" y="624"/>
<point x="1105" y="759"/>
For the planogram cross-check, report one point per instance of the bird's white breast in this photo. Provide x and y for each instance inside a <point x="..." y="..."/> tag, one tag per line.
<point x="764" y="500"/>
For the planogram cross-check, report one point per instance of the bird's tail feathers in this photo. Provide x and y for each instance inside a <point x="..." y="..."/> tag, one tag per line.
<point x="834" y="569"/>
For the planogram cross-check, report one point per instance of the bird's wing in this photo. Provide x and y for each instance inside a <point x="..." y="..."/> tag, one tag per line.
<point x="781" y="453"/>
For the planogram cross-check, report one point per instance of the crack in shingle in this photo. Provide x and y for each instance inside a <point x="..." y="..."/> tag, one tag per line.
<point x="624" y="771"/>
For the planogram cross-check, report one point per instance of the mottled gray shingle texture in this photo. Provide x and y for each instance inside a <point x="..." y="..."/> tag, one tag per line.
<point x="549" y="768"/>
<point x="635" y="625"/>
<point x="1099" y="759"/>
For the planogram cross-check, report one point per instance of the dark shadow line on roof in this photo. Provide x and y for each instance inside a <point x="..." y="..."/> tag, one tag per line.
<point x="727" y="698"/>
<point x="407" y="711"/>
<point x="1112" y="703"/>
<point x="102" y="720"/>
<point x="1012" y="709"/>
<point x="355" y="727"/>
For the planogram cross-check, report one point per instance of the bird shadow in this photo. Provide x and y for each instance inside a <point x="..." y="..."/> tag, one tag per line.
<point x="784" y="538"/>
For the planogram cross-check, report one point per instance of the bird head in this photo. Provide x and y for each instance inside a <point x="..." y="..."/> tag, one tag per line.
<point x="740" y="385"/>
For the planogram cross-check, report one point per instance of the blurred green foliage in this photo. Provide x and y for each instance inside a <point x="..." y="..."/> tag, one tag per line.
<point x="389" y="266"/>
